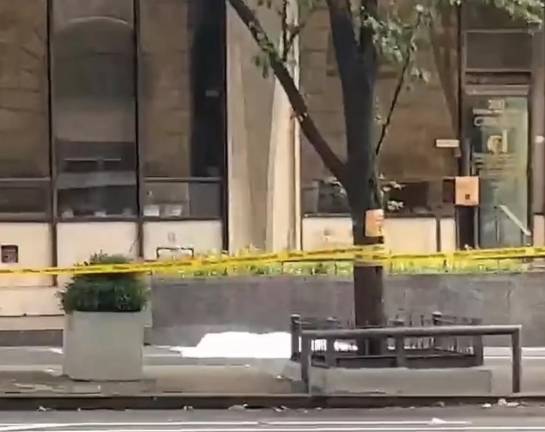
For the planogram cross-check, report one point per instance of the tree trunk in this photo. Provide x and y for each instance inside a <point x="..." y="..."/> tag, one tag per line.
<point x="368" y="282"/>
<point x="368" y="279"/>
<point x="357" y="63"/>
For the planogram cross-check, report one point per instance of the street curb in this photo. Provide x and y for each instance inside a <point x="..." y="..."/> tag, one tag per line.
<point x="36" y="402"/>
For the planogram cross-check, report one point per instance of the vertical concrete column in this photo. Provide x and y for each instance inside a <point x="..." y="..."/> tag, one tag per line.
<point x="261" y="146"/>
<point x="537" y="142"/>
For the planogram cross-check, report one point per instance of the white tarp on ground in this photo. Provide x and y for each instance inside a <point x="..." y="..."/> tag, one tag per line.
<point x="239" y="345"/>
<point x="244" y="345"/>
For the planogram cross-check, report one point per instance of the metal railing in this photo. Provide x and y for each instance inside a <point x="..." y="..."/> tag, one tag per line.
<point x="399" y="334"/>
<point x="526" y="234"/>
<point x="435" y="352"/>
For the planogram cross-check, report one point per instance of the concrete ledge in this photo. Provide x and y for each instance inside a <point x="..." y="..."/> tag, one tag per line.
<point x="43" y="337"/>
<point x="395" y="381"/>
<point x="402" y="381"/>
<point x="47" y="337"/>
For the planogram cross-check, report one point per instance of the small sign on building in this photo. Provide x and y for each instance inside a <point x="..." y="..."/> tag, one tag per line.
<point x="10" y="254"/>
<point x="466" y="191"/>
<point x="447" y="143"/>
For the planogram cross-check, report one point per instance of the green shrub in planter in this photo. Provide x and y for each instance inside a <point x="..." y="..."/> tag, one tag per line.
<point x="108" y="292"/>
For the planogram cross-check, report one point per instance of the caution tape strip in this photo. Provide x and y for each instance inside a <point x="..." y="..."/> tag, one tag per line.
<point x="361" y="255"/>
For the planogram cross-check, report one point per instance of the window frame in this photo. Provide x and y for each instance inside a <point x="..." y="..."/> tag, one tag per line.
<point x="499" y="31"/>
<point x="16" y="182"/>
<point x="54" y="151"/>
<point x="183" y="180"/>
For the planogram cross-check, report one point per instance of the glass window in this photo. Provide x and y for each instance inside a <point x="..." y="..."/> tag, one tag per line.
<point x="24" y="199"/>
<point x="182" y="87"/>
<point x="24" y="131"/>
<point x="180" y="199"/>
<point x="94" y="107"/>
<point x="499" y="50"/>
<point x="497" y="127"/>
<point x="165" y="88"/>
<point x="495" y="41"/>
<point x="181" y="107"/>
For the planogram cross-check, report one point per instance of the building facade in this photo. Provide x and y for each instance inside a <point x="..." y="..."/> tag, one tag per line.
<point x="136" y="126"/>
<point x="480" y="114"/>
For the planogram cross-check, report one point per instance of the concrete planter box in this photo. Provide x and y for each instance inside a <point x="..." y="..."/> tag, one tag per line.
<point x="103" y="346"/>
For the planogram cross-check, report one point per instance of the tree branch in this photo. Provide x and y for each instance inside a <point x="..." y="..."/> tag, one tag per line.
<point x="285" y="37"/>
<point x="393" y="104"/>
<point x="298" y="104"/>
<point x="399" y="87"/>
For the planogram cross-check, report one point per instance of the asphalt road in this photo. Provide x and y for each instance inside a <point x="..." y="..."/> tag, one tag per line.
<point x="239" y="420"/>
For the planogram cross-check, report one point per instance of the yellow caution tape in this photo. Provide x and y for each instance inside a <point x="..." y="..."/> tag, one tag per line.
<point x="359" y="255"/>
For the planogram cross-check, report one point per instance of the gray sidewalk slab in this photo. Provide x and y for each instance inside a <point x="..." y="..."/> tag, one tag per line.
<point x="262" y="378"/>
<point x="37" y="370"/>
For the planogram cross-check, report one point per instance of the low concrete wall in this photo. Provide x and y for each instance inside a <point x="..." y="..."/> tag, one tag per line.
<point x="185" y="310"/>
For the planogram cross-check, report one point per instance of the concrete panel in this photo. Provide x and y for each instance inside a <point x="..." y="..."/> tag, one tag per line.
<point x="328" y="232"/>
<point x="422" y="238"/>
<point x="448" y="235"/>
<point x="29" y="301"/>
<point x="34" y="244"/>
<point x="203" y="236"/>
<point x="401" y="381"/>
<point x="78" y="241"/>
<point x="184" y="310"/>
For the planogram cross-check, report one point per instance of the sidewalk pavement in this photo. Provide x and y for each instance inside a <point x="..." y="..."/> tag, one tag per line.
<point x="37" y="371"/>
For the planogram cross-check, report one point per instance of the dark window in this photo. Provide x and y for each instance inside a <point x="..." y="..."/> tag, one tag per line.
<point x="494" y="41"/>
<point x="24" y="114"/>
<point x="181" y="107"/>
<point x="421" y="197"/>
<point x="182" y="88"/>
<point x="165" y="88"/>
<point x="197" y="199"/>
<point x="25" y="200"/>
<point x="94" y="107"/>
<point x="499" y="50"/>
<point x="208" y="84"/>
<point x="24" y="148"/>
